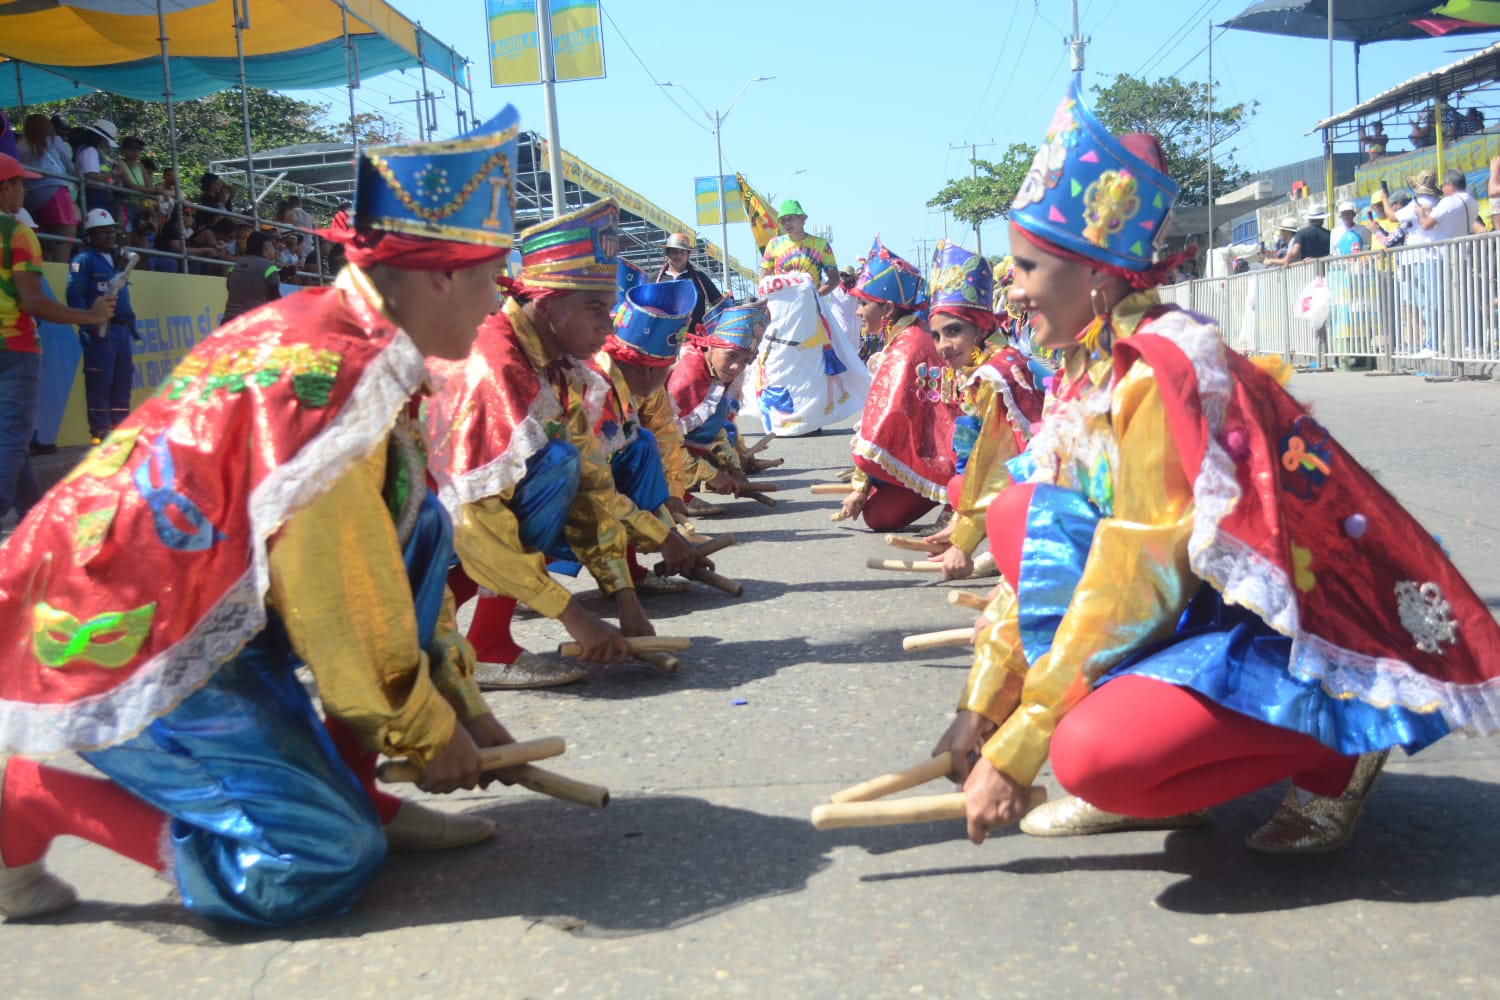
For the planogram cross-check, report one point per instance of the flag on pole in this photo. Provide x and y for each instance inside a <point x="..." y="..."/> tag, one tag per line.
<point x="763" y="222"/>
<point x="707" y="196"/>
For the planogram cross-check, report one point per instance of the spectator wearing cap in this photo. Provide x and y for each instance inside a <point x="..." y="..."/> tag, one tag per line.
<point x="1456" y="213"/>
<point x="107" y="371"/>
<point x="89" y="162"/>
<point x="678" y="248"/>
<point x="1348" y="236"/>
<point x="1311" y="241"/>
<point x="24" y="299"/>
<point x="796" y="250"/>
<point x="1286" y="228"/>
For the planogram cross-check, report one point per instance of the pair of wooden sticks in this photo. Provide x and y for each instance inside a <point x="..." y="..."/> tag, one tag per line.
<point x="703" y="575"/>
<point x="512" y="762"/>
<point x="857" y="805"/>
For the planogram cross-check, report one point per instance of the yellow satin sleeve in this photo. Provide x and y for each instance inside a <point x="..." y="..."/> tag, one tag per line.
<point x="684" y="470"/>
<point x="1135" y="582"/>
<point x="452" y="660"/>
<point x="993" y="689"/>
<point x="487" y="537"/>
<point x="340" y="585"/>
<point x="721" y="453"/>
<point x="985" y="475"/>
<point x="593" y="528"/>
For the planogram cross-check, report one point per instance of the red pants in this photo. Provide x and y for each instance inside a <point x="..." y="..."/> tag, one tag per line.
<point x="1146" y="748"/>
<point x="890" y="507"/>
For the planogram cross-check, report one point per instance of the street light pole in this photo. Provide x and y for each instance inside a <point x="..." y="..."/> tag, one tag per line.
<point x="717" y="117"/>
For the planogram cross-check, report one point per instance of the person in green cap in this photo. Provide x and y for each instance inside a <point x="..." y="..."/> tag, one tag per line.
<point x="797" y="250"/>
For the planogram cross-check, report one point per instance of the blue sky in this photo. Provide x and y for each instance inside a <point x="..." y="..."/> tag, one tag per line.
<point x="868" y="97"/>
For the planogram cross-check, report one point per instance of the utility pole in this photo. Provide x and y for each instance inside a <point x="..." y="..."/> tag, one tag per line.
<point x="419" y="101"/>
<point x="1210" y="124"/>
<point x="1076" y="43"/>
<point x="972" y="147"/>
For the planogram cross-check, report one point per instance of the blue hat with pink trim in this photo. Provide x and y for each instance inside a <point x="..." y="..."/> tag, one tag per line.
<point x="1088" y="193"/>
<point x="960" y="277"/>
<point x="886" y="277"/>
<point x="736" y="325"/>
<point x="651" y="323"/>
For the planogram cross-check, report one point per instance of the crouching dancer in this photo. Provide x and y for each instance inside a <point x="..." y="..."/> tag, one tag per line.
<point x="266" y="509"/>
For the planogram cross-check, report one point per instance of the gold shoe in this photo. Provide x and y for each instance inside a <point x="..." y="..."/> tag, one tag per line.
<point x="984" y="565"/>
<point x="31" y="890"/>
<point x="418" y="828"/>
<point x="529" y="671"/>
<point x="702" y="508"/>
<point x="1321" y="823"/>
<point x="1072" y="817"/>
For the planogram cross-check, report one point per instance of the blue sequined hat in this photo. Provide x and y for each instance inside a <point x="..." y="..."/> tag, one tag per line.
<point x="961" y="278"/>
<point x="886" y="277"/>
<point x="458" y="189"/>
<point x="736" y="325"/>
<point x="653" y="320"/>
<point x="627" y="276"/>
<point x="1087" y="193"/>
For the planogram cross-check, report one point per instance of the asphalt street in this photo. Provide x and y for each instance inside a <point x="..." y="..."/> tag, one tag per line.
<point x="704" y="878"/>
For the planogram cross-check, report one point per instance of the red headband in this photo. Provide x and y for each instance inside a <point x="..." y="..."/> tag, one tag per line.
<point x="366" y="247"/>
<point x="987" y="321"/>
<point x="1152" y="276"/>
<point x="625" y="354"/>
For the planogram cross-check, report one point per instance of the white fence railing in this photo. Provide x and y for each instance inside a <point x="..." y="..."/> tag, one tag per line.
<point x="1401" y="306"/>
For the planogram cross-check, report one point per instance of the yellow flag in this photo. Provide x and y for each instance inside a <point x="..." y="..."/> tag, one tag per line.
<point x="762" y="220"/>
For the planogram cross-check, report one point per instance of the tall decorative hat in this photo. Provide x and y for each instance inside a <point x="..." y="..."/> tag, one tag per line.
<point x="960" y="278"/>
<point x="627" y="276"/>
<point x="1088" y="193"/>
<point x="651" y="324"/>
<point x="886" y="277"/>
<point x="737" y="325"/>
<point x="577" y="252"/>
<point x="458" y="189"/>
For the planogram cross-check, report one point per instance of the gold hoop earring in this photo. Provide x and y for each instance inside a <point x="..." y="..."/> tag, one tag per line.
<point x="1099" y="302"/>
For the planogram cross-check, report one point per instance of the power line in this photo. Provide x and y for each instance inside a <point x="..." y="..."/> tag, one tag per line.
<point x="979" y="105"/>
<point x="1175" y="39"/>
<point x="651" y="76"/>
<point x="1015" y="65"/>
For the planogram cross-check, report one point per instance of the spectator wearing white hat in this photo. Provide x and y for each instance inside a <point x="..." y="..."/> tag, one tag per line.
<point x="91" y="167"/>
<point x="1311" y="241"/>
<point x="678" y="248"/>
<point x="1348" y="236"/>
<point x="107" y="349"/>
<point x="1286" y="228"/>
<point x="1456" y="213"/>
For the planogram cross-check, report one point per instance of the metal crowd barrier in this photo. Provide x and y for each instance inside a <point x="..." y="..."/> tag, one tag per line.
<point x="1406" y="307"/>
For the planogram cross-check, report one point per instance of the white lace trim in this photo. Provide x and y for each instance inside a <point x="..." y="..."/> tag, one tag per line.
<point x="904" y="473"/>
<point x="160" y="684"/>
<point x="695" y="418"/>
<point x="509" y="467"/>
<point x="1247" y="579"/>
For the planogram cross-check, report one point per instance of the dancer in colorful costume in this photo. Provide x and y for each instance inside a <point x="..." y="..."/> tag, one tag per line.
<point x="266" y="508"/>
<point x="520" y="469"/>
<point x="707" y="379"/>
<point x="902" y="453"/>
<point x="638" y="424"/>
<point x="1210" y="595"/>
<point x="998" y="401"/>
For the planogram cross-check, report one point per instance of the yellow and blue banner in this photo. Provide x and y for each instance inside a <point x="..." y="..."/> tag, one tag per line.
<point x="515" y="56"/>
<point x="757" y="210"/>
<point x="707" y="195"/>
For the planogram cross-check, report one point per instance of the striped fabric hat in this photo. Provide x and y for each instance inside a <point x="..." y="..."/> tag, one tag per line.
<point x="576" y="252"/>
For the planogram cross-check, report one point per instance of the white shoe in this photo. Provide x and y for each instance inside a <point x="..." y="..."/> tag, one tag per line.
<point x="31" y="890"/>
<point x="418" y="828"/>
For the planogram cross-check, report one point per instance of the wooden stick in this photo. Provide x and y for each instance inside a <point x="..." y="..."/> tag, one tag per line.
<point x="964" y="599"/>
<point x="845" y="476"/>
<point x="709" y="547"/>
<point x="905" y="565"/>
<point x="909" y="544"/>
<point x="686" y="530"/>
<point x="761" y="445"/>
<point x="762" y="464"/>
<point x="638" y="644"/>
<point x="832" y="489"/>
<point x="559" y="787"/>
<point x="937" y="640"/>
<point x="765" y="487"/>
<point x="898" y="781"/>
<point x="495" y="758"/>
<point x="759" y="498"/>
<point x="892" y="812"/>
<point x="732" y="587"/>
<point x="665" y="662"/>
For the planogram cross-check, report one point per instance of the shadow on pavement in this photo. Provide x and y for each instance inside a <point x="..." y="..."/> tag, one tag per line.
<point x="645" y="864"/>
<point x="1422" y="839"/>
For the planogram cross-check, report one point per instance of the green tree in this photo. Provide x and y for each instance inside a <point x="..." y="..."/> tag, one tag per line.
<point x="1168" y="108"/>
<point x="210" y="128"/>
<point x="988" y="195"/>
<point x="1173" y="111"/>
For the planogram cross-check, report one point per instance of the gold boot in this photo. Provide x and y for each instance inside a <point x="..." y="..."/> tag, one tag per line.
<point x="1321" y="823"/>
<point x="1070" y="816"/>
